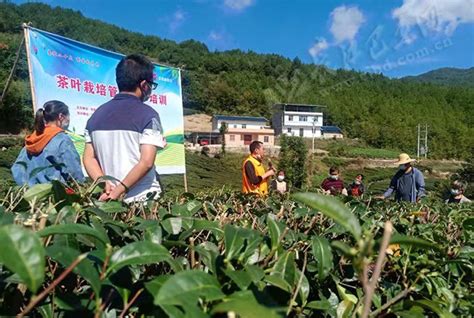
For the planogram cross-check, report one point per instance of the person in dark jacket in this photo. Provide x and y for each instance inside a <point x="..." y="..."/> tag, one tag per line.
<point x="408" y="183"/>
<point x="356" y="188"/>
<point x="333" y="184"/>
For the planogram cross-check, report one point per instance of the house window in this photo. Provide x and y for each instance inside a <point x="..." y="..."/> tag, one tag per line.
<point x="235" y="126"/>
<point x="303" y="118"/>
<point x="232" y="137"/>
<point x="241" y="137"/>
<point x="290" y="118"/>
<point x="301" y="132"/>
<point x="289" y="130"/>
<point x="265" y="139"/>
<point x="244" y="126"/>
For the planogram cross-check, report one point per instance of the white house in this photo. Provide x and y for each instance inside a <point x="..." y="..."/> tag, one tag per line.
<point x="298" y="120"/>
<point x="242" y="130"/>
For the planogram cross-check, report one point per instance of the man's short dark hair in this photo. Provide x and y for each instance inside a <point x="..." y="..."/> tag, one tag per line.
<point x="131" y="70"/>
<point x="333" y="170"/>
<point x="255" y="145"/>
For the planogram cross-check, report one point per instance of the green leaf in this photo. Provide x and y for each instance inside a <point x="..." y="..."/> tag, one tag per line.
<point x="46" y="311"/>
<point x="256" y="273"/>
<point x="138" y="253"/>
<point x="411" y="241"/>
<point x="187" y="287"/>
<point x="241" y="278"/>
<point x="285" y="267"/>
<point x="244" y="305"/>
<point x="344" y="295"/>
<point x="194" y="206"/>
<point x="433" y="306"/>
<point x="38" y="192"/>
<point x="414" y="312"/>
<point x="468" y="224"/>
<point x="74" y="229"/>
<point x="345" y="249"/>
<point x="279" y="282"/>
<point x="213" y="226"/>
<point x="22" y="253"/>
<point x="154" y="234"/>
<point x="344" y="309"/>
<point x="208" y="253"/>
<point x="5" y="217"/>
<point x="111" y="206"/>
<point x="172" y="225"/>
<point x="322" y="305"/>
<point x="303" y="293"/>
<point x="332" y="208"/>
<point x="323" y="254"/>
<point x="66" y="255"/>
<point x="275" y="229"/>
<point x="155" y="285"/>
<point x="234" y="241"/>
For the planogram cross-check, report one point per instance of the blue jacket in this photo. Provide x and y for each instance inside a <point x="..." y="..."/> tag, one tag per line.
<point x="59" y="160"/>
<point x="418" y="186"/>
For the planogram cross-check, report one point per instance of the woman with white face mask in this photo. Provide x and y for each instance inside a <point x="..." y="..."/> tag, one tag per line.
<point x="49" y="153"/>
<point x="279" y="184"/>
<point x="457" y="193"/>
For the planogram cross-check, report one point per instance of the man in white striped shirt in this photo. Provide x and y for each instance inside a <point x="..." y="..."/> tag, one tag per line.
<point x="123" y="135"/>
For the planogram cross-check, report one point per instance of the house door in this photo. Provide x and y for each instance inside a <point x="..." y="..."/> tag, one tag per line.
<point x="247" y="139"/>
<point x="301" y="132"/>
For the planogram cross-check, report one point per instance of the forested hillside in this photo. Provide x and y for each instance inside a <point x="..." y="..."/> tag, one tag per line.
<point x="446" y="76"/>
<point x="384" y="112"/>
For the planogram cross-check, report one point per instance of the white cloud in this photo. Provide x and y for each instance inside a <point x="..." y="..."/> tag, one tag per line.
<point x="346" y="22"/>
<point x="220" y="40"/>
<point x="318" y="47"/>
<point x="438" y="16"/>
<point x="238" y="5"/>
<point x="177" y="20"/>
<point x="216" y="36"/>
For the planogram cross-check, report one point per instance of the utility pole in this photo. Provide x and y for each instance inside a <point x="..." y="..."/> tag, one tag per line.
<point x="422" y="141"/>
<point x="418" y="141"/>
<point x="426" y="141"/>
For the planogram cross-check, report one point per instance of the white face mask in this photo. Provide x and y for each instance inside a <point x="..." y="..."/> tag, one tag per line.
<point x="281" y="178"/>
<point x="402" y="167"/>
<point x="146" y="93"/>
<point x="357" y="182"/>
<point x="454" y="191"/>
<point x="64" y="124"/>
<point x="333" y="177"/>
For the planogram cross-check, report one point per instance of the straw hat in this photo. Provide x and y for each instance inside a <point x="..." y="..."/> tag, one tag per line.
<point x="404" y="158"/>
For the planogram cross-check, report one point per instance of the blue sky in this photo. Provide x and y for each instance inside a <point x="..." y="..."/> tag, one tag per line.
<point x="397" y="38"/>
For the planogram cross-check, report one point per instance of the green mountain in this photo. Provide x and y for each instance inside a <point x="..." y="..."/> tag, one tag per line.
<point x="381" y="111"/>
<point x="446" y="76"/>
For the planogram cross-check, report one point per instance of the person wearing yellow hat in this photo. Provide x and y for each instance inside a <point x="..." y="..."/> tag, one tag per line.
<point x="408" y="183"/>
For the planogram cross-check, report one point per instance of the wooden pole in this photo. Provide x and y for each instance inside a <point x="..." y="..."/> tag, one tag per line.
<point x="185" y="182"/>
<point x="10" y="77"/>
<point x="27" y="39"/>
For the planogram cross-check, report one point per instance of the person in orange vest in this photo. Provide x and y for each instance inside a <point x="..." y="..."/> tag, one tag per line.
<point x="254" y="176"/>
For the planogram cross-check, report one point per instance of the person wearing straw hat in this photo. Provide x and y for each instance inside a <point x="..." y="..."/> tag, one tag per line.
<point x="408" y="183"/>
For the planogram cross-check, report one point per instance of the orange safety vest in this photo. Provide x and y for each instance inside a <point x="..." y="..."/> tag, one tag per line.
<point x="247" y="186"/>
